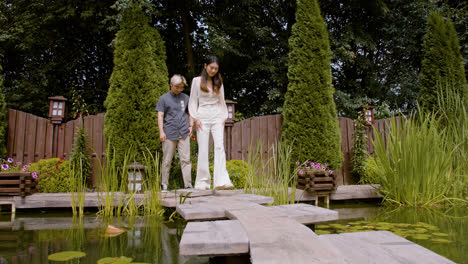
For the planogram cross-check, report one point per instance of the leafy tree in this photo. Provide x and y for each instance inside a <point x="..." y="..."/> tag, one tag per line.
<point x="442" y="61"/>
<point x="139" y="78"/>
<point x="51" y="47"/>
<point x="3" y="120"/>
<point x="375" y="52"/>
<point x="309" y="114"/>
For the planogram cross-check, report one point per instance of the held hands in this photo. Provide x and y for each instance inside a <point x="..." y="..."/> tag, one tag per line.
<point x="197" y="125"/>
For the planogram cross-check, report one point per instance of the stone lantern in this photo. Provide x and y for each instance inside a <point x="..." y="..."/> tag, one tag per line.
<point x="136" y="177"/>
<point x="228" y="124"/>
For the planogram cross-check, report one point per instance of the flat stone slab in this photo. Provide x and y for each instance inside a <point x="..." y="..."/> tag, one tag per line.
<point x="214" y="207"/>
<point x="381" y="247"/>
<point x="280" y="239"/>
<point x="214" y="238"/>
<point x="305" y="213"/>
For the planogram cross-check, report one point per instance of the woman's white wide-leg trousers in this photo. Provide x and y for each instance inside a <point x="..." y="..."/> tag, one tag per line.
<point x="220" y="174"/>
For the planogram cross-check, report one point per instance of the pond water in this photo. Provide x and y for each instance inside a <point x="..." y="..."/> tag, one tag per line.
<point x="31" y="238"/>
<point x="442" y="230"/>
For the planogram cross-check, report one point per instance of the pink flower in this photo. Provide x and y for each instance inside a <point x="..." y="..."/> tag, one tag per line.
<point x="31" y="249"/>
<point x="326" y="165"/>
<point x="10" y="160"/>
<point x="330" y="172"/>
<point x="34" y="175"/>
<point x="5" y="166"/>
<point x="297" y="163"/>
<point x="308" y="168"/>
<point x="301" y="172"/>
<point x="323" y="168"/>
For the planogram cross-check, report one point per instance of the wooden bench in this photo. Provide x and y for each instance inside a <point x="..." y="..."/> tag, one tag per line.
<point x="17" y="183"/>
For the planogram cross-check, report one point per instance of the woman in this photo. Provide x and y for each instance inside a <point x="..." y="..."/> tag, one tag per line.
<point x="208" y="110"/>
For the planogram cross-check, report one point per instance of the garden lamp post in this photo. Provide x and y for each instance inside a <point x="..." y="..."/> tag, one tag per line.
<point x="57" y="113"/>
<point x="369" y="112"/>
<point x="228" y="124"/>
<point x="136" y="176"/>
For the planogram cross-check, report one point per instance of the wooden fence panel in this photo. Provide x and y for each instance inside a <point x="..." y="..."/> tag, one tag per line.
<point x="31" y="138"/>
<point x="40" y="142"/>
<point x="30" y="144"/>
<point x="11" y="132"/>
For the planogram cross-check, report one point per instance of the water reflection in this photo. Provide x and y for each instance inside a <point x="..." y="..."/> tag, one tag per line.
<point x="147" y="239"/>
<point x="451" y="221"/>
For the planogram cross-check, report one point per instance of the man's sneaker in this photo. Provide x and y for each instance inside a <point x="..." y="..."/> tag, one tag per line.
<point x="163" y="187"/>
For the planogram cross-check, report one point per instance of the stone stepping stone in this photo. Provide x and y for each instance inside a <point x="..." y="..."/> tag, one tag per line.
<point x="305" y="213"/>
<point x="214" y="207"/>
<point x="280" y="239"/>
<point x="381" y="247"/>
<point x="214" y="238"/>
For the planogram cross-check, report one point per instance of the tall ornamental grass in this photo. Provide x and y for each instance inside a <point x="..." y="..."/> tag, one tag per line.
<point x="424" y="161"/>
<point x="453" y="117"/>
<point x="271" y="177"/>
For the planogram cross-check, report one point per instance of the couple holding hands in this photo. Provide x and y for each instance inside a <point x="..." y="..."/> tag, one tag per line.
<point x="204" y="111"/>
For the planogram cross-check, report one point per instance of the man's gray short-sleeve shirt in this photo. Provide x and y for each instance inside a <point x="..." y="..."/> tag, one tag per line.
<point x="175" y="109"/>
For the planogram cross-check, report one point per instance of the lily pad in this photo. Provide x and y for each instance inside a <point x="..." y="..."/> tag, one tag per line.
<point x="322" y="232"/>
<point x="322" y="226"/>
<point x="420" y="230"/>
<point x="368" y="227"/>
<point x="121" y="260"/>
<point x="440" y="234"/>
<point x="339" y="226"/>
<point x="66" y="255"/>
<point x="441" y="240"/>
<point x="420" y="236"/>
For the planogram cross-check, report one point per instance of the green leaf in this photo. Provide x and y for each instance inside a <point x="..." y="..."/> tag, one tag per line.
<point x="109" y="260"/>
<point x="66" y="255"/>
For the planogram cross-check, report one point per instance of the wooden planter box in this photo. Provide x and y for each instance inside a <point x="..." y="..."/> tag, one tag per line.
<point x="17" y="183"/>
<point x="316" y="181"/>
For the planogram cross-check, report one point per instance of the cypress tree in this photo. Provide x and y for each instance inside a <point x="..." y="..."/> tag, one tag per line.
<point x="309" y="115"/>
<point x="442" y="61"/>
<point x="3" y="119"/>
<point x="138" y="79"/>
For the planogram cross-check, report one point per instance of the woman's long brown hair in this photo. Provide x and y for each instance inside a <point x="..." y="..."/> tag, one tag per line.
<point x="217" y="79"/>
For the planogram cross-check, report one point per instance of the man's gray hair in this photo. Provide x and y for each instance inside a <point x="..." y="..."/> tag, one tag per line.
<point x="178" y="79"/>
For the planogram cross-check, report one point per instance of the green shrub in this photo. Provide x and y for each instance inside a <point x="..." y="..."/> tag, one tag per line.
<point x="138" y="79"/>
<point x="442" y="61"/>
<point x="310" y="121"/>
<point x="237" y="170"/>
<point x="54" y="175"/>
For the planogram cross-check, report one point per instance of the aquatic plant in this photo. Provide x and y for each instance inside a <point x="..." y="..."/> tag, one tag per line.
<point x="272" y="177"/>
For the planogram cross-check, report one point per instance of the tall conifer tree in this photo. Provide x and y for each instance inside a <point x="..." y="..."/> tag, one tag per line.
<point x="309" y="115"/>
<point x="138" y="79"/>
<point x="3" y="120"/>
<point x="442" y="61"/>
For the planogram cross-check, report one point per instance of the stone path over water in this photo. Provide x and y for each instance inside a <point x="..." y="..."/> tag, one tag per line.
<point x="277" y="234"/>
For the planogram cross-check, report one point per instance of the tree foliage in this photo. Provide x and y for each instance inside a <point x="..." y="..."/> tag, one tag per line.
<point x="51" y="47"/>
<point x="138" y="79"/>
<point x="309" y="113"/>
<point x="442" y="61"/>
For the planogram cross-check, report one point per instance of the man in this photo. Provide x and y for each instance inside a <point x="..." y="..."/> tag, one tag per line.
<point x="175" y="129"/>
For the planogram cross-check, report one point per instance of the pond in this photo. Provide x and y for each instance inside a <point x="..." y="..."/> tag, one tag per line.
<point x="32" y="237"/>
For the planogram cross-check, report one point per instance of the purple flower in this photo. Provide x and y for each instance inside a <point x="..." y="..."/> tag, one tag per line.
<point x="330" y="172"/>
<point x="297" y="163"/>
<point x="31" y="249"/>
<point x="10" y="160"/>
<point x="323" y="168"/>
<point x="326" y="165"/>
<point x="29" y="163"/>
<point x="24" y="169"/>
<point x="34" y="175"/>
<point x="5" y="166"/>
<point x="301" y="172"/>
<point x="308" y="168"/>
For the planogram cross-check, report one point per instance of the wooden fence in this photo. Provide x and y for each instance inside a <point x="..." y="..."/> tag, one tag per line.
<point x="30" y="138"/>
